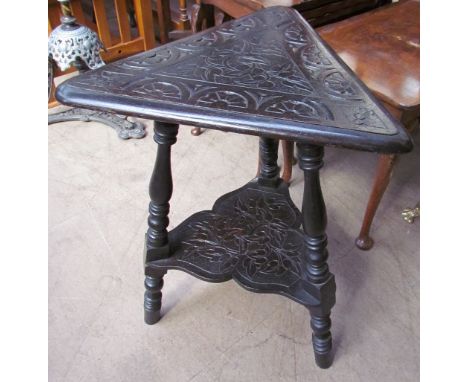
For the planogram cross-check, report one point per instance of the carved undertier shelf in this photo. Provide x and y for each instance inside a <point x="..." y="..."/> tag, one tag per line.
<point x="251" y="235"/>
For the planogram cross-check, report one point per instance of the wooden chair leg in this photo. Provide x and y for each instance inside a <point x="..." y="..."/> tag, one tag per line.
<point x="381" y="180"/>
<point x="288" y="156"/>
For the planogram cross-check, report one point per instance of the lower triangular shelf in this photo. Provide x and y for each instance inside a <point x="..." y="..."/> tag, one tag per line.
<point x="252" y="235"/>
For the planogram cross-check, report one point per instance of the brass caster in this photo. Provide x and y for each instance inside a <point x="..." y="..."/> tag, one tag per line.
<point x="409" y="214"/>
<point x="196" y="131"/>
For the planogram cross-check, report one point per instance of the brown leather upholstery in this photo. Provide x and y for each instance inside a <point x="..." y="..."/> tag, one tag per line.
<point x="382" y="48"/>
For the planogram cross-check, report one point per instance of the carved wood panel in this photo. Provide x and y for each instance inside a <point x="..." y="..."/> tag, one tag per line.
<point x="267" y="69"/>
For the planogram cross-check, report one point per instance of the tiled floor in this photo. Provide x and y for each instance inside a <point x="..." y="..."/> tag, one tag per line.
<point x="217" y="332"/>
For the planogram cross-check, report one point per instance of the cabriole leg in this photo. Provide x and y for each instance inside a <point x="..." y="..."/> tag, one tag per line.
<point x="157" y="245"/>
<point x="317" y="274"/>
<point x="381" y="181"/>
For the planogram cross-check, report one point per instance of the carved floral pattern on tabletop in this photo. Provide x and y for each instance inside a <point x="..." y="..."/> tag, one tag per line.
<point x="268" y="64"/>
<point x="223" y="100"/>
<point x="159" y="89"/>
<point x="313" y="57"/>
<point x="366" y="117"/>
<point x="336" y="84"/>
<point x="308" y="109"/>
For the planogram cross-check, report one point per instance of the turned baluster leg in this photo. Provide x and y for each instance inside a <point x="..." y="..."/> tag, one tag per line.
<point x="269" y="170"/>
<point x="381" y="181"/>
<point x="157" y="245"/>
<point x="153" y="297"/>
<point x="316" y="271"/>
<point x="288" y="162"/>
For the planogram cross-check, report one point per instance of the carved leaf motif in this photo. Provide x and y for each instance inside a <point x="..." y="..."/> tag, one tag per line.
<point x="313" y="57"/>
<point x="223" y="100"/>
<point x="238" y="26"/>
<point x="337" y="85"/>
<point x="304" y="109"/>
<point x="199" y="41"/>
<point x="295" y="34"/>
<point x="160" y="90"/>
<point x="266" y="65"/>
<point x="364" y="116"/>
<point x="251" y="235"/>
<point x="149" y="59"/>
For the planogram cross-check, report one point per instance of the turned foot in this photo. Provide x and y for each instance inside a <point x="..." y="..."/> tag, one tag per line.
<point x="196" y="131"/>
<point x="152" y="300"/>
<point x="322" y="340"/>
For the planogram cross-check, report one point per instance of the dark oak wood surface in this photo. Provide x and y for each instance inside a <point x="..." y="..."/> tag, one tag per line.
<point x="266" y="74"/>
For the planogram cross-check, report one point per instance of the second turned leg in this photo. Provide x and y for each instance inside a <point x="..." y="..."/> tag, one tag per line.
<point x="288" y="160"/>
<point x="153" y="297"/>
<point x="268" y="166"/>
<point x="322" y="340"/>
<point x="318" y="279"/>
<point x="157" y="242"/>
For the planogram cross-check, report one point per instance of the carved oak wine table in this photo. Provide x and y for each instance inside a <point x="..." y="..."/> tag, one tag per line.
<point x="268" y="74"/>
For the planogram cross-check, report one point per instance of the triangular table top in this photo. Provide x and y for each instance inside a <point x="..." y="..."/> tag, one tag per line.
<point x="268" y="73"/>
